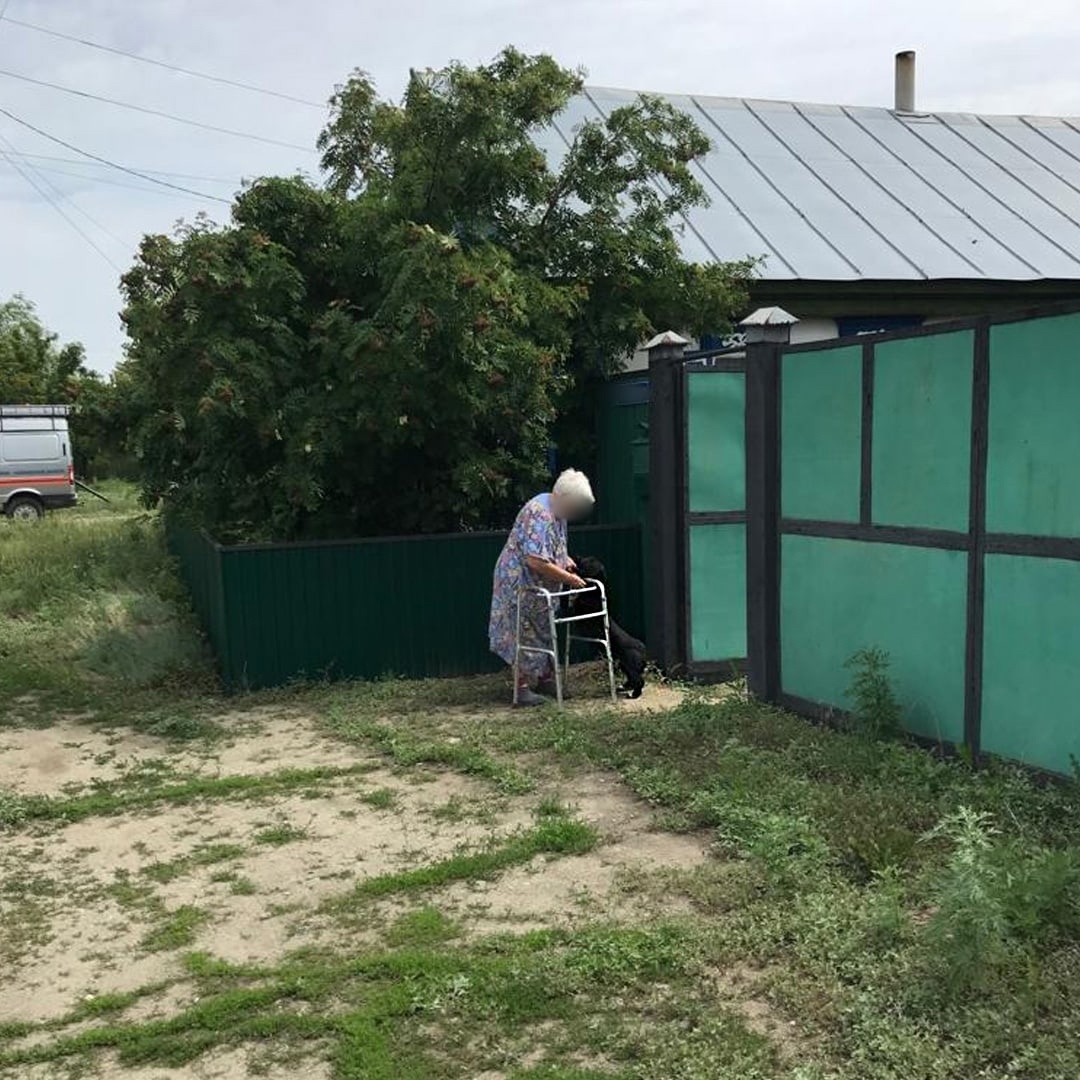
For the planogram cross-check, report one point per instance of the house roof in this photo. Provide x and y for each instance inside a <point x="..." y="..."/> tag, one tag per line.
<point x="838" y="193"/>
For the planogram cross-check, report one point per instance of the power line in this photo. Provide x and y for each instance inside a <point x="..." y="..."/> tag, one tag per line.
<point x="111" y="164"/>
<point x="60" y="196"/>
<point x="155" y="112"/>
<point x="163" y="64"/>
<point x="97" y="180"/>
<point x="98" y="165"/>
<point x="57" y="207"/>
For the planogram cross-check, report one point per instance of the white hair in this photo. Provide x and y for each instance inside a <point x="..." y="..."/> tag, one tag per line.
<point x="574" y="486"/>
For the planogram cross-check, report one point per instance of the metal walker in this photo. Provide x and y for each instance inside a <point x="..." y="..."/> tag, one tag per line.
<point x="553" y="599"/>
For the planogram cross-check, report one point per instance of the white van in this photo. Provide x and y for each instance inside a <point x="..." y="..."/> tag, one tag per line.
<point x="37" y="472"/>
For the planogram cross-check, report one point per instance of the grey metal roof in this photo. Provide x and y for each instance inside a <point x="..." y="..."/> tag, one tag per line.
<point x="837" y="193"/>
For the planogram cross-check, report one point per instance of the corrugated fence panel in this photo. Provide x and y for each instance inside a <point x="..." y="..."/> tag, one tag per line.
<point x="414" y="606"/>
<point x="622" y="473"/>
<point x="200" y="566"/>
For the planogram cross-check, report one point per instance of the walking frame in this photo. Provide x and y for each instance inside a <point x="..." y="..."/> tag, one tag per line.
<point x="552" y="599"/>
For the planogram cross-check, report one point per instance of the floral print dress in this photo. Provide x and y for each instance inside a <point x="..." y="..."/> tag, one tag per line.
<point x="538" y="532"/>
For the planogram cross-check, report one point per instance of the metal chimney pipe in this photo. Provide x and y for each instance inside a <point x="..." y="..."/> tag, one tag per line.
<point x="905" y="81"/>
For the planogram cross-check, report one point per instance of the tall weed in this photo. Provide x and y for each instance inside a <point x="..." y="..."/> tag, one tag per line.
<point x="994" y="898"/>
<point x="876" y="711"/>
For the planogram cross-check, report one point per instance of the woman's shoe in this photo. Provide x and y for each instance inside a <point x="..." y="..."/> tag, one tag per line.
<point x="529" y="699"/>
<point x="547" y="688"/>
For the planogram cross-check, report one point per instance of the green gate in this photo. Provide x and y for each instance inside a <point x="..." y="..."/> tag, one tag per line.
<point x="714" y="515"/>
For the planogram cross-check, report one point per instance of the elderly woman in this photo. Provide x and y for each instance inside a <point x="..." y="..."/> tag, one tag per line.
<point x="535" y="554"/>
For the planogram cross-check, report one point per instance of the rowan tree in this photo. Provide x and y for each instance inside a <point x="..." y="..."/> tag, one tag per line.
<point x="391" y="352"/>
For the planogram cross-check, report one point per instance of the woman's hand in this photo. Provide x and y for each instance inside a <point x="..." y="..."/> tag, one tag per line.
<point x="553" y="572"/>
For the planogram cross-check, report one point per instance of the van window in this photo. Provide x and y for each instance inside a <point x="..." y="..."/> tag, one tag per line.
<point x="30" y="447"/>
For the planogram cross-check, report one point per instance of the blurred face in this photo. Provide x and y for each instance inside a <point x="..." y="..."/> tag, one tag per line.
<point x="569" y="509"/>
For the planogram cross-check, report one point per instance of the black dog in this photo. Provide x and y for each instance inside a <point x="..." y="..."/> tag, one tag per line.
<point x="628" y="652"/>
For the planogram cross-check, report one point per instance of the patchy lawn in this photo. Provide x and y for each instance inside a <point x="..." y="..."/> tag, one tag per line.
<point x="409" y="880"/>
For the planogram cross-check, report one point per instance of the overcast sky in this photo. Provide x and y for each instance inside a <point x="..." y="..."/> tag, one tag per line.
<point x="973" y="55"/>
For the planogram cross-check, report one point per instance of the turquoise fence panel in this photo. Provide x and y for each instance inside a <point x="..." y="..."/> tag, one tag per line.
<point x="717" y="593"/>
<point x="716" y="435"/>
<point x="885" y="542"/>
<point x="1034" y="428"/>
<point x="922" y="431"/>
<point x="715" y="617"/>
<point x="840" y="596"/>
<point x="1031" y="678"/>
<point x="820" y="442"/>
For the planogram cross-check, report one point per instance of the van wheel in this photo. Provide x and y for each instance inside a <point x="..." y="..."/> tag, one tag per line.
<point x="24" y="508"/>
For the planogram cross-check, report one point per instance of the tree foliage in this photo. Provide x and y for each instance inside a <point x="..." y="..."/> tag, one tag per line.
<point x="390" y="353"/>
<point x="36" y="370"/>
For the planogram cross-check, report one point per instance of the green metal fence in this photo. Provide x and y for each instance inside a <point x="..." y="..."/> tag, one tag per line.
<point x="412" y="606"/>
<point x="622" y="468"/>
<point x="929" y="505"/>
<point x="622" y="474"/>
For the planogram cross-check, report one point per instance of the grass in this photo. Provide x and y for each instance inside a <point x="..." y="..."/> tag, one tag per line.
<point x="407" y="750"/>
<point x="380" y="799"/>
<point x="906" y="938"/>
<point x="242" y="886"/>
<point x="375" y="1011"/>
<point x="122" y="796"/>
<point x="92" y="616"/>
<point x="555" y="836"/>
<point x="205" y="855"/>
<point x="278" y="835"/>
<point x="176" y="930"/>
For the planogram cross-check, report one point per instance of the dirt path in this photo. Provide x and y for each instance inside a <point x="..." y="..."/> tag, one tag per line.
<point x="113" y="904"/>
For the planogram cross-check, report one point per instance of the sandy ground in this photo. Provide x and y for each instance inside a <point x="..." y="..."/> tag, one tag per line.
<point x="73" y="753"/>
<point x="217" y="1065"/>
<point x="97" y="890"/>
